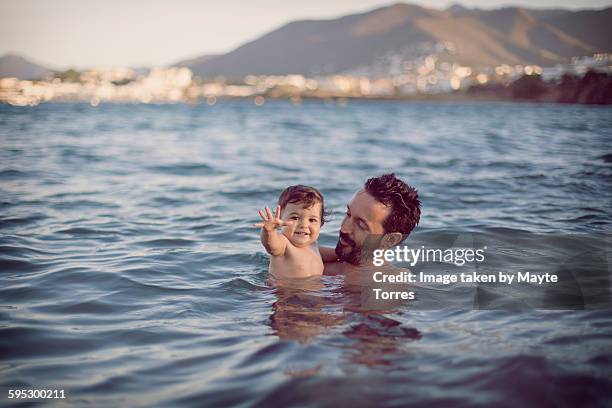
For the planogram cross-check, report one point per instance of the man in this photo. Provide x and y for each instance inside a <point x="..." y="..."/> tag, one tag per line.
<point x="379" y="216"/>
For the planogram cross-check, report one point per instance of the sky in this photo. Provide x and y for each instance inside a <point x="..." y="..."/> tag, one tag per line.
<point x="60" y="34"/>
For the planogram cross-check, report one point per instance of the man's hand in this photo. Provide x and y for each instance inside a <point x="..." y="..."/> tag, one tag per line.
<point x="270" y="222"/>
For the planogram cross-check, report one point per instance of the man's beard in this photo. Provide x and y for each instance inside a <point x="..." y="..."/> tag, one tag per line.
<point x="348" y="252"/>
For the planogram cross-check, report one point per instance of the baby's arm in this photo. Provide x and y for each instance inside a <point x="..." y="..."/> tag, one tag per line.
<point x="275" y="243"/>
<point x="328" y="254"/>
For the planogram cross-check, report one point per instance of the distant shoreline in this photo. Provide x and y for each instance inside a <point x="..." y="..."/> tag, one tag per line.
<point x="178" y="85"/>
<point x="443" y="98"/>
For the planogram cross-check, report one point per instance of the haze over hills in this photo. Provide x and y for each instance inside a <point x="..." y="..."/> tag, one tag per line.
<point x="479" y="38"/>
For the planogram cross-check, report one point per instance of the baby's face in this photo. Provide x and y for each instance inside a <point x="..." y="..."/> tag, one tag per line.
<point x="304" y="223"/>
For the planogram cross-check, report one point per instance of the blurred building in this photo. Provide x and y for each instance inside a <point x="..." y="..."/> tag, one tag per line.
<point x="424" y="70"/>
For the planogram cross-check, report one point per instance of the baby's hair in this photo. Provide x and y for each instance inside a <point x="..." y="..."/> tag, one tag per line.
<point x="307" y="196"/>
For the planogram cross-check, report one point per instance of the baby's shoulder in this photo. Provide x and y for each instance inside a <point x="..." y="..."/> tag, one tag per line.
<point x="315" y="248"/>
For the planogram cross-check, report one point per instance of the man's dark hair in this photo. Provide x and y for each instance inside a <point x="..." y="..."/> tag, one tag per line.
<point x="401" y="198"/>
<point x="307" y="196"/>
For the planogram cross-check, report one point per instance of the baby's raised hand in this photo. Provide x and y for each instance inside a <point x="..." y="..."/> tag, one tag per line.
<point x="270" y="222"/>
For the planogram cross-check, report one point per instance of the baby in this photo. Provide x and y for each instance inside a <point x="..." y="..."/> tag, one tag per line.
<point x="295" y="252"/>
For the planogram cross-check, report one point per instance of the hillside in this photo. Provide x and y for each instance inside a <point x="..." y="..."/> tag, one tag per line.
<point x="13" y="65"/>
<point x="479" y="38"/>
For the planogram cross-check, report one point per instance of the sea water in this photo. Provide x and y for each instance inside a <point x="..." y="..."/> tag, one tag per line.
<point x="130" y="274"/>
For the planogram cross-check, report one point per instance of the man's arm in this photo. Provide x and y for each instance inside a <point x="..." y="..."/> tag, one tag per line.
<point x="328" y="254"/>
<point x="275" y="243"/>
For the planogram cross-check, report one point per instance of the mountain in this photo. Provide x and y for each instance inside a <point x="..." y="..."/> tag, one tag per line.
<point x="13" y="65"/>
<point x="457" y="9"/>
<point x="590" y="26"/>
<point x="531" y="39"/>
<point x="194" y="61"/>
<point x="479" y="38"/>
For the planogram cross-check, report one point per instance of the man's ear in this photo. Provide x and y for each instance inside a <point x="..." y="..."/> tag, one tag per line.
<point x="391" y="239"/>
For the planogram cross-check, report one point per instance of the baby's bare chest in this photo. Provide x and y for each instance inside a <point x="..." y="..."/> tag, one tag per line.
<point x="299" y="262"/>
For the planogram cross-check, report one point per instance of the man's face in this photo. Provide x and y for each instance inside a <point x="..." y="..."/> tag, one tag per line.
<point x="364" y="217"/>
